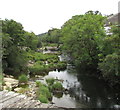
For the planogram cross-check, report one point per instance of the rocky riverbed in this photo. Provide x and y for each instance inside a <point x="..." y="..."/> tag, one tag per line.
<point x="12" y="84"/>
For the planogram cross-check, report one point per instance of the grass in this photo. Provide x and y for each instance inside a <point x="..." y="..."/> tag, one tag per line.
<point x="1" y="79"/>
<point x="51" y="44"/>
<point x="54" y="85"/>
<point x="24" y="90"/>
<point x="40" y="66"/>
<point x="23" y="79"/>
<point x="43" y="93"/>
<point x="50" y="81"/>
<point x="37" y="56"/>
<point x="57" y="86"/>
<point x="38" y="83"/>
<point x="43" y="98"/>
<point x="1" y="82"/>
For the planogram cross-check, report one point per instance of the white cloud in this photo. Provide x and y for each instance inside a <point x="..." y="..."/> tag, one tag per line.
<point x="40" y="15"/>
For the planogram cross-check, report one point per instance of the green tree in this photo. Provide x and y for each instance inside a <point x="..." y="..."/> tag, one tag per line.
<point x="14" y="58"/>
<point x="31" y="40"/>
<point x="110" y="56"/>
<point x="80" y="37"/>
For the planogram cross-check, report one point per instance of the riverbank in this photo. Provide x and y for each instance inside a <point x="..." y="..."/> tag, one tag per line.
<point x="13" y="100"/>
<point x="78" y="85"/>
<point x="42" y="63"/>
<point x="85" y="91"/>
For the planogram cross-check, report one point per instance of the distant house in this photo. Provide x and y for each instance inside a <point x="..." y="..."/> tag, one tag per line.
<point x="112" y="20"/>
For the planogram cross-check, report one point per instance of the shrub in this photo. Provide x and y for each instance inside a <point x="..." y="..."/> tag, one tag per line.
<point x="23" y="79"/>
<point x="110" y="64"/>
<point x="61" y="65"/>
<point x="57" y="86"/>
<point x="37" y="69"/>
<point x="43" y="93"/>
<point x="38" y="83"/>
<point x="110" y="68"/>
<point x="43" y="98"/>
<point x="50" y="81"/>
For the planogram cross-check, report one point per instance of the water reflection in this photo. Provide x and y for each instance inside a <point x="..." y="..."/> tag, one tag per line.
<point x="84" y="91"/>
<point x="58" y="94"/>
<point x="93" y="92"/>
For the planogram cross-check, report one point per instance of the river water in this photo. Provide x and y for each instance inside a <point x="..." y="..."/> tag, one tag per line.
<point x="85" y="91"/>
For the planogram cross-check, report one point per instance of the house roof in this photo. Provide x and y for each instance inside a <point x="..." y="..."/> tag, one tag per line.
<point x="113" y="20"/>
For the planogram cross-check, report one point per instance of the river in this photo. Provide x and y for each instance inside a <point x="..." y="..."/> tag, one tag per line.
<point x="85" y="91"/>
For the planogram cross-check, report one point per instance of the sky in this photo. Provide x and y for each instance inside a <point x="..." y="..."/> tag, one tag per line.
<point x="39" y="16"/>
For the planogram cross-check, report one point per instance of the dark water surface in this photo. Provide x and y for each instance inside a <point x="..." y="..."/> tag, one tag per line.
<point x="84" y="90"/>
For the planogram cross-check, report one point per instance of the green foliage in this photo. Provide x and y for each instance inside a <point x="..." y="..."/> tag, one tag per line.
<point x="39" y="69"/>
<point x="31" y="41"/>
<point x="23" y="78"/>
<point x="80" y="37"/>
<point x="1" y="78"/>
<point x="61" y="65"/>
<point x="40" y="56"/>
<point x="50" y="81"/>
<point x="57" y="86"/>
<point x="110" y="56"/>
<point x="89" y="47"/>
<point x="38" y="83"/>
<point x="51" y="44"/>
<point x="14" y="30"/>
<point x="24" y="90"/>
<point x="83" y="38"/>
<point x="1" y="81"/>
<point x="52" y="36"/>
<point x="16" y="43"/>
<point x="43" y="93"/>
<point x="40" y="59"/>
<point x="43" y="98"/>
<point x="110" y="65"/>
<point x="58" y="94"/>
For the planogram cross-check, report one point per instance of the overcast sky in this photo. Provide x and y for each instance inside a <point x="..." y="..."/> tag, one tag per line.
<point x="39" y="16"/>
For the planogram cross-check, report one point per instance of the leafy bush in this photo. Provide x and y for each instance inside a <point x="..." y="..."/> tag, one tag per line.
<point x="110" y="65"/>
<point x="23" y="79"/>
<point x="38" y="83"/>
<point x="57" y="86"/>
<point x="43" y="93"/>
<point x="110" y="68"/>
<point x="37" y="69"/>
<point x="50" y="81"/>
<point x="40" y="56"/>
<point x="43" y="98"/>
<point x="42" y="68"/>
<point x="61" y="65"/>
